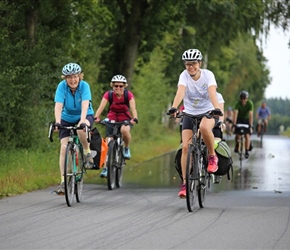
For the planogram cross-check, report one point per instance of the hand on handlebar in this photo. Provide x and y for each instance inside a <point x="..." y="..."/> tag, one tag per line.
<point x="217" y="112"/>
<point x="97" y="119"/>
<point x="172" y="111"/>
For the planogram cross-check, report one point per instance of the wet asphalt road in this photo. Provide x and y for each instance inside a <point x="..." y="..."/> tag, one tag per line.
<point x="251" y="212"/>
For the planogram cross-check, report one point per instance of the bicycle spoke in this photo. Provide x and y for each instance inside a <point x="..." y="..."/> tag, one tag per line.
<point x="111" y="165"/>
<point x="190" y="182"/>
<point x="79" y="174"/>
<point x="120" y="166"/>
<point x="69" y="177"/>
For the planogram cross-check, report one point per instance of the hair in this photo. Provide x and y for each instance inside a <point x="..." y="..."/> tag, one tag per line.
<point x="81" y="75"/>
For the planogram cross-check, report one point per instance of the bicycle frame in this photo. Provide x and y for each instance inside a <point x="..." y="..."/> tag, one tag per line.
<point x="74" y="168"/>
<point x="197" y="177"/>
<point x="115" y="159"/>
<point x="241" y="132"/>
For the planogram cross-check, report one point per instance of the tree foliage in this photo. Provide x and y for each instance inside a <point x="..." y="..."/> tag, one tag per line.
<point x="141" y="39"/>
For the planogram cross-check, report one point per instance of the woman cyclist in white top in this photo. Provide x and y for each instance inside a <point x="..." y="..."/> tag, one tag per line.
<point x="197" y="89"/>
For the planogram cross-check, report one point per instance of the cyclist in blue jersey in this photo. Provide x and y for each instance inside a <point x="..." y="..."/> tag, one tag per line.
<point x="73" y="106"/>
<point x="263" y="114"/>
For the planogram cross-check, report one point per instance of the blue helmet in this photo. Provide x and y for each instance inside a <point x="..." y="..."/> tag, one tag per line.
<point x="71" y="69"/>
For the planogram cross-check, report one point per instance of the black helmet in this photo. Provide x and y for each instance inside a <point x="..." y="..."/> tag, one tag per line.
<point x="244" y="95"/>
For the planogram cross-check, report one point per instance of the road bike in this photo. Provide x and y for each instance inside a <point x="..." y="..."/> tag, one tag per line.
<point x="197" y="178"/>
<point x="115" y="160"/>
<point x="241" y="130"/>
<point x="74" y="164"/>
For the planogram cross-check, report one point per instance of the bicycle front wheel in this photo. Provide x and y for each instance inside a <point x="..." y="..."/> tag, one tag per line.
<point x="69" y="177"/>
<point x="79" y="173"/>
<point x="111" y="165"/>
<point x="204" y="180"/>
<point x="120" y="166"/>
<point x="190" y="182"/>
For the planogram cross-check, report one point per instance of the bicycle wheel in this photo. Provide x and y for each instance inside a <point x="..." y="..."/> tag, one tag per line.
<point x="190" y="182"/>
<point x="261" y="135"/>
<point x="204" y="180"/>
<point x="241" y="149"/>
<point x="111" y="165"/>
<point x="79" y="173"/>
<point x="119" y="169"/>
<point x="69" y="177"/>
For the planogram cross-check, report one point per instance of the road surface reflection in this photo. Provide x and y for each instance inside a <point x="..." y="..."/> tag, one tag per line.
<point x="267" y="169"/>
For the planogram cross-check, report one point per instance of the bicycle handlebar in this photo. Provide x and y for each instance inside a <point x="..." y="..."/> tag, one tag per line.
<point x="52" y="127"/>
<point x="209" y="114"/>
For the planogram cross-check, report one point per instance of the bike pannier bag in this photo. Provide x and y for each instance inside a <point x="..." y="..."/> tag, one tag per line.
<point x="225" y="163"/>
<point x="98" y="148"/>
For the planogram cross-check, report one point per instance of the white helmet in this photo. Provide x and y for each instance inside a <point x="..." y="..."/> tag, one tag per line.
<point x="119" y="78"/>
<point x="192" y="55"/>
<point x="71" y="69"/>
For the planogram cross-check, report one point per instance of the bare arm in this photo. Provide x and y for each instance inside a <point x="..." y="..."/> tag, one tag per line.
<point x="101" y="107"/>
<point x="57" y="111"/>
<point x="180" y="93"/>
<point x="212" y="96"/>
<point x="235" y="116"/>
<point x="85" y="106"/>
<point x="251" y="117"/>
<point x="133" y="108"/>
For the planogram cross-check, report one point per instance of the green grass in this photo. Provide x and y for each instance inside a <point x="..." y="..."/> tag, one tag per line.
<point x="27" y="170"/>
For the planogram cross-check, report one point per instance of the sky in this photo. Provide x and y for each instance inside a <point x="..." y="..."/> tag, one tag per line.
<point x="278" y="55"/>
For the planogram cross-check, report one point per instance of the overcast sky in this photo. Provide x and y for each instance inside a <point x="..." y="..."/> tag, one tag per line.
<point x="278" y="54"/>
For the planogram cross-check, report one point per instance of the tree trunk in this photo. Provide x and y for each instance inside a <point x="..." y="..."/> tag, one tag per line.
<point x="132" y="39"/>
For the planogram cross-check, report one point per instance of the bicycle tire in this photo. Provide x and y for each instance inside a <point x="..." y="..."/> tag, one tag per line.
<point x="69" y="177"/>
<point x="204" y="180"/>
<point x="241" y="149"/>
<point x="190" y="182"/>
<point x="79" y="174"/>
<point x="120" y="166"/>
<point x="111" y="165"/>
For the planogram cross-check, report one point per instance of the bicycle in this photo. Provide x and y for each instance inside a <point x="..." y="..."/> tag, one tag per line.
<point x="197" y="177"/>
<point x="74" y="164"/>
<point x="241" y="130"/>
<point x="115" y="159"/>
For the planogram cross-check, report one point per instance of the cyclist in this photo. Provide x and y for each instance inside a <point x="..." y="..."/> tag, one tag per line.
<point x="119" y="111"/>
<point x="73" y="106"/>
<point x="229" y="120"/>
<point x="243" y="114"/>
<point x="263" y="115"/>
<point x="197" y="89"/>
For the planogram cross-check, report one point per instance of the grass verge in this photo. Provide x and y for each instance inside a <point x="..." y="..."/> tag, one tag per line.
<point x="28" y="170"/>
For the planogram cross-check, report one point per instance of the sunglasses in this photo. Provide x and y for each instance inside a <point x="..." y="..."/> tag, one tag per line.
<point x="119" y="86"/>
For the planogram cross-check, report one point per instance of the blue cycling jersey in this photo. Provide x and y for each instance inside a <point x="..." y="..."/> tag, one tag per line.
<point x="263" y="113"/>
<point x="72" y="103"/>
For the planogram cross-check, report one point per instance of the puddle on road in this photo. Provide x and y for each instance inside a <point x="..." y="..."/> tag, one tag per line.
<point x="262" y="171"/>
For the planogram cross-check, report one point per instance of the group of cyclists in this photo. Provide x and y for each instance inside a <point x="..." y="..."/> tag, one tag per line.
<point x="196" y="88"/>
<point x="73" y="105"/>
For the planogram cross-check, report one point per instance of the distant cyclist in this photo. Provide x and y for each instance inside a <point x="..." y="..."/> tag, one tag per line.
<point x="243" y="114"/>
<point x="119" y="110"/>
<point x="263" y="114"/>
<point x="229" y="120"/>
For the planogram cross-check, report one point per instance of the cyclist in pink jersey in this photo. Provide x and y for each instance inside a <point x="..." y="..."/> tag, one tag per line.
<point x="119" y="111"/>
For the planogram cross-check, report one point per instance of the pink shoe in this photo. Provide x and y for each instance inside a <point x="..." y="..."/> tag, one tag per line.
<point x="182" y="192"/>
<point x="212" y="163"/>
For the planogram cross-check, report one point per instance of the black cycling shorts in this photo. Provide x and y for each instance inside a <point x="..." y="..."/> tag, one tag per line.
<point x="66" y="133"/>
